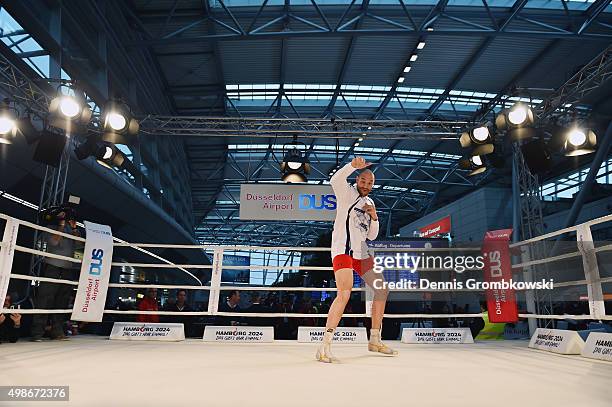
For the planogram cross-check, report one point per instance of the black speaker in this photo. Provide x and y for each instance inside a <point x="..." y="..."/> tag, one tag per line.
<point x="537" y="156"/>
<point x="50" y="148"/>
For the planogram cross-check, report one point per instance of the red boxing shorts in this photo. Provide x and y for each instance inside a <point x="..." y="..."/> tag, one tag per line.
<point x="361" y="266"/>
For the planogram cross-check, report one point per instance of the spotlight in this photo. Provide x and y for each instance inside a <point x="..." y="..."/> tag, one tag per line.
<point x="407" y="69"/>
<point x="295" y="164"/>
<point x="421" y="45"/>
<point x="7" y="122"/>
<point x="481" y="137"/>
<point x="579" y="141"/>
<point x="400" y="80"/>
<point x="518" y="121"/>
<point x="109" y="155"/>
<point x="67" y="111"/>
<point x="413" y="57"/>
<point x="474" y="163"/>
<point x="116" y="121"/>
<point x="119" y="123"/>
<point x="69" y="107"/>
<point x="105" y="153"/>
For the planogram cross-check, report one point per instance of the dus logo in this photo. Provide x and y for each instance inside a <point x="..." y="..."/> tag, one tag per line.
<point x="95" y="268"/>
<point x="320" y="202"/>
<point x="495" y="259"/>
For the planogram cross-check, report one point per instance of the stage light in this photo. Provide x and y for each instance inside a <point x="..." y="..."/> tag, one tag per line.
<point x="109" y="155"/>
<point x="69" y="107"/>
<point x="576" y="137"/>
<point x="294" y="178"/>
<point x="518" y="121"/>
<point x="7" y="125"/>
<point x="120" y="126"/>
<point x="400" y="80"/>
<point x="421" y="45"/>
<point x="116" y="121"/>
<point x="105" y="153"/>
<point x="295" y="164"/>
<point x="68" y="110"/>
<point x="7" y="122"/>
<point x="413" y="57"/>
<point x="481" y="133"/>
<point x="480" y="137"/>
<point x="579" y="141"/>
<point x="407" y="69"/>
<point x="475" y="164"/>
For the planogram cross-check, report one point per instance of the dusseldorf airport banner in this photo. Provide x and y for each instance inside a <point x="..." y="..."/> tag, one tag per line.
<point x="287" y="202"/>
<point x="497" y="267"/>
<point x="95" y="274"/>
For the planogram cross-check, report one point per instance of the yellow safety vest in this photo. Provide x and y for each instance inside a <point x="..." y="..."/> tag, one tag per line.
<point x="491" y="331"/>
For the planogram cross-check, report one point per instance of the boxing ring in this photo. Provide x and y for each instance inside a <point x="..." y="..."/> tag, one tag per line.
<point x="285" y="372"/>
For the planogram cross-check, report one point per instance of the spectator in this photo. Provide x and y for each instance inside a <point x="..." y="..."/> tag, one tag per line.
<point x="148" y="303"/>
<point x="179" y="305"/>
<point x="306" y="307"/>
<point x="485" y="329"/>
<point x="257" y="307"/>
<point x="9" y="324"/>
<point x="230" y="305"/>
<point x="53" y="295"/>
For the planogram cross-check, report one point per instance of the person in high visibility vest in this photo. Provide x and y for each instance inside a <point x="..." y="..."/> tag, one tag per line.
<point x="491" y="330"/>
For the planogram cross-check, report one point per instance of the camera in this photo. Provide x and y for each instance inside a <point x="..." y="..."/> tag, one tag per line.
<point x="54" y="215"/>
<point x="66" y="212"/>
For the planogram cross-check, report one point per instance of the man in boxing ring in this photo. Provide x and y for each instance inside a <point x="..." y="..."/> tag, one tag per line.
<point x="356" y="221"/>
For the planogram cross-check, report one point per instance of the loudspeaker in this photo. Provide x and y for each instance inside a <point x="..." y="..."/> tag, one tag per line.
<point x="50" y="148"/>
<point x="537" y="156"/>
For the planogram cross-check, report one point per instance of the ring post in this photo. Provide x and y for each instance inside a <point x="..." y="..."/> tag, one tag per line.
<point x="586" y="247"/>
<point x="7" y="252"/>
<point x="215" y="281"/>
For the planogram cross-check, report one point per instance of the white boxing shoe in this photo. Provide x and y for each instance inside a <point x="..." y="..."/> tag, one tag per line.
<point x="381" y="348"/>
<point x="325" y="355"/>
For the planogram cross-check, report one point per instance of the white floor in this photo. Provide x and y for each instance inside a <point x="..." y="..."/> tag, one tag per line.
<point x="101" y="372"/>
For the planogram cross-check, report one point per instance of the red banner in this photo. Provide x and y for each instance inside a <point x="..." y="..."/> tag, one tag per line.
<point x="501" y="303"/>
<point x="437" y="228"/>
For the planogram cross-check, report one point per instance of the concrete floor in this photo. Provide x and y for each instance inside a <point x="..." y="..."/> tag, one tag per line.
<point x="101" y="372"/>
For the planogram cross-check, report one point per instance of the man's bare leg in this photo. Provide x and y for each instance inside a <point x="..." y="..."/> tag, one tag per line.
<point x="378" y="310"/>
<point x="344" y="283"/>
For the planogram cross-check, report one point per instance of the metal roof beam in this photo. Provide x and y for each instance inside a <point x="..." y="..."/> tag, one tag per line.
<point x="345" y="63"/>
<point x="592" y="13"/>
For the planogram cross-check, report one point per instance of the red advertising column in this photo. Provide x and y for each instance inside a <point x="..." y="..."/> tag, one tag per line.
<point x="501" y="303"/>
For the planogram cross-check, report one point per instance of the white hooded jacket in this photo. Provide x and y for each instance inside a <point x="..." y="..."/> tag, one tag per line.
<point x="352" y="225"/>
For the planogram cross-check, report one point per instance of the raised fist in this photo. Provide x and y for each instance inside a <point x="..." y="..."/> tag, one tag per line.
<point x="360" y="163"/>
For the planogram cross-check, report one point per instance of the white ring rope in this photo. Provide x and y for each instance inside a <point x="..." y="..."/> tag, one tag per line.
<point x="80" y="239"/>
<point x="595" y="221"/>
<point x="303" y="315"/>
<point x="183" y="267"/>
<point x="547" y="260"/>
